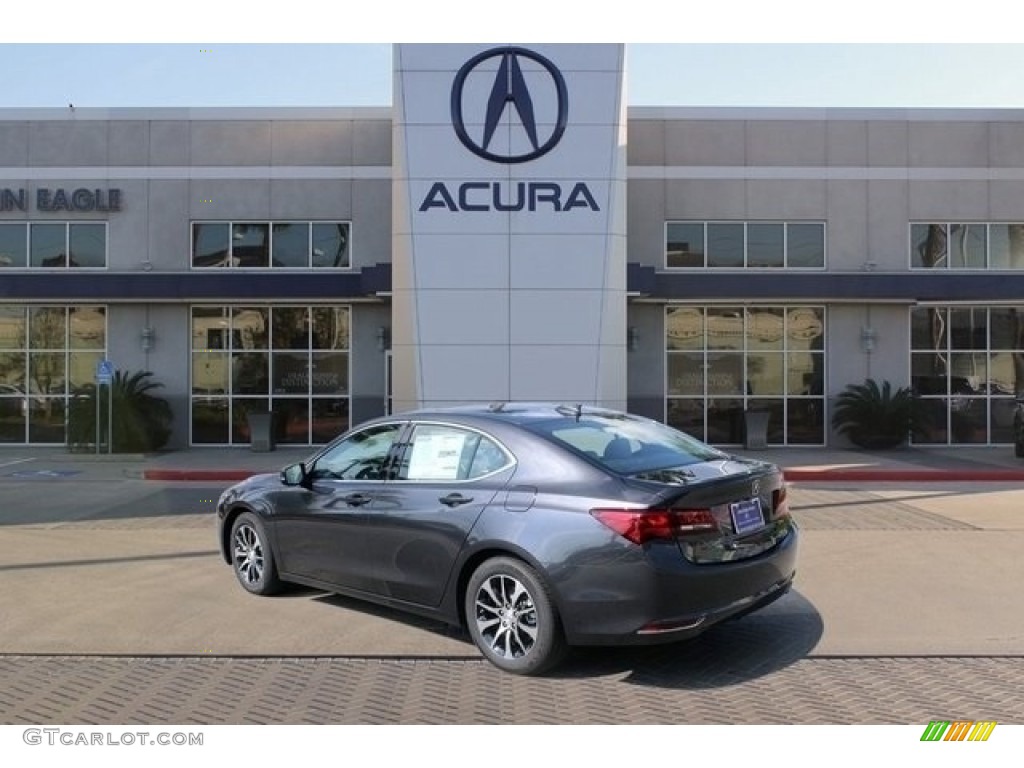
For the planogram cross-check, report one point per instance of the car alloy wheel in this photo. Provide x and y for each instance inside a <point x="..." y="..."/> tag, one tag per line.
<point x="512" y="618"/>
<point x="252" y="557"/>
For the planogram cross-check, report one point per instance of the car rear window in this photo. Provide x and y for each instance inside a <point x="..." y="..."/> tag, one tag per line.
<point x="626" y="444"/>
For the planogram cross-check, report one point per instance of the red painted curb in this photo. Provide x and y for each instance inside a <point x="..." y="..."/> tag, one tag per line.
<point x="199" y="475"/>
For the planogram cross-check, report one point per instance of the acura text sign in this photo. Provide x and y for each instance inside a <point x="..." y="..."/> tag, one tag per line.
<point x="508" y="241"/>
<point x="509" y="106"/>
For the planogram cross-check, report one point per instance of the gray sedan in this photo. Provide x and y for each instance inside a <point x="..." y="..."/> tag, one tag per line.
<point x="534" y="526"/>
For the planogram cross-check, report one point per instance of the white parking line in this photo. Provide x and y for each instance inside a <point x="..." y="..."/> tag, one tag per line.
<point x="16" y="461"/>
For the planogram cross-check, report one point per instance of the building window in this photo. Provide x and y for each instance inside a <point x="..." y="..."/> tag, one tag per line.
<point x="738" y="245"/>
<point x="966" y="246"/>
<point x="290" y="360"/>
<point x="724" y="361"/>
<point x="964" y="369"/>
<point x="50" y="245"/>
<point x="47" y="354"/>
<point x="263" y="244"/>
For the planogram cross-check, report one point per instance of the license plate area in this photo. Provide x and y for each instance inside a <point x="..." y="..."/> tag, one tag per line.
<point x="746" y="515"/>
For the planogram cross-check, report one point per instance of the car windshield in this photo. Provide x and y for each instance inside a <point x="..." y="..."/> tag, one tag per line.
<point x="626" y="444"/>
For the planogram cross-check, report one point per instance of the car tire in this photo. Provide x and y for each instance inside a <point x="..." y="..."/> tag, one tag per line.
<point x="252" y="558"/>
<point x="1018" y="450"/>
<point x="512" y="618"/>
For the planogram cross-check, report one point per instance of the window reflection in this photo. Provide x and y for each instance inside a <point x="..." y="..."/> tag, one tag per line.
<point x="13" y="250"/>
<point x="250" y="245"/>
<point x="685" y="247"/>
<point x="210" y="246"/>
<point x="741" y="358"/>
<point x="957" y="245"/>
<point x="291" y="245"/>
<point x="756" y="244"/>
<point x="290" y="360"/>
<point x="63" y="346"/>
<point x="264" y="244"/>
<point x="967" y="365"/>
<point x="725" y="245"/>
<point x="88" y="245"/>
<point x="765" y="245"/>
<point x="330" y="245"/>
<point x="48" y="246"/>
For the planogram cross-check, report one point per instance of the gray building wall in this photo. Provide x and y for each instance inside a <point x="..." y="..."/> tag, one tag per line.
<point x="866" y="173"/>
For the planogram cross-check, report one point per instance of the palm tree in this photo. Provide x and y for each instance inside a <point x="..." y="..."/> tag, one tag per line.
<point x="141" y="421"/>
<point x="876" y="417"/>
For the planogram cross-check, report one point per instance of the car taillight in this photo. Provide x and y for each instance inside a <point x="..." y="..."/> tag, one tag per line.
<point x="642" y="525"/>
<point x="780" y="506"/>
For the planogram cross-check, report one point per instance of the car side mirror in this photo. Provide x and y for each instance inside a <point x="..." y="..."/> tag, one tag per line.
<point x="294" y="474"/>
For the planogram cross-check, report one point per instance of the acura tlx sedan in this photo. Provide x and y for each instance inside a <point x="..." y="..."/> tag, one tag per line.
<point x="534" y="526"/>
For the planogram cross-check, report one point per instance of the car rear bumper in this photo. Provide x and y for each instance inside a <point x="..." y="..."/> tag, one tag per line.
<point x="644" y="602"/>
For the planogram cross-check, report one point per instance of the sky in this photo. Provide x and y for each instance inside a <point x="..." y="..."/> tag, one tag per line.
<point x="787" y="53"/>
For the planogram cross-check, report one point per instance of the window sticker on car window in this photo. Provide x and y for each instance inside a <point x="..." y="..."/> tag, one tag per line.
<point x="435" y="455"/>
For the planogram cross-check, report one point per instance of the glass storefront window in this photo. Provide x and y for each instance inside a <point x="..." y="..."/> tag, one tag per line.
<point x="13" y="245"/>
<point x="765" y="245"/>
<point x="330" y="245"/>
<point x="968" y="246"/>
<point x="272" y="244"/>
<point x="88" y="245"/>
<point x="210" y="245"/>
<point x="290" y="245"/>
<point x="685" y="247"/>
<point x="805" y="245"/>
<point x="46" y="354"/>
<point x="738" y="244"/>
<point x="965" y="364"/>
<point x="250" y="245"/>
<point x="724" y="361"/>
<point x="48" y="245"/>
<point x="292" y="361"/>
<point x="725" y="245"/>
<point x="956" y="245"/>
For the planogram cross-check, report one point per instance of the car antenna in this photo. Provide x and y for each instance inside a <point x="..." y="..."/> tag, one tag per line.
<point x="579" y="412"/>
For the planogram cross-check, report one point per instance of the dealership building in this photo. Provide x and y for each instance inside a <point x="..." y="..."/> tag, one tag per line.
<point x="509" y="229"/>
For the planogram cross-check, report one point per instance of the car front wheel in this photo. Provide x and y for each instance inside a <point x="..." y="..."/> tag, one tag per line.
<point x="512" y="618"/>
<point x="251" y="556"/>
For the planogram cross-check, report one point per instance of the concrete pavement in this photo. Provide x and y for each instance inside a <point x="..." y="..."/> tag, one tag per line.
<point x="117" y="608"/>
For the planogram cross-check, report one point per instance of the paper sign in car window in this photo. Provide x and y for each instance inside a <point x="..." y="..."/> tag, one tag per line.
<point x="435" y="456"/>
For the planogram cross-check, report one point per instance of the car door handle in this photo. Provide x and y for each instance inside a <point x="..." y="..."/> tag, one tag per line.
<point x="455" y="499"/>
<point x="357" y="499"/>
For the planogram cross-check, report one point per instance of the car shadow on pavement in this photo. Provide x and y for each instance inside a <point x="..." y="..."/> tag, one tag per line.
<point x="730" y="653"/>
<point x="435" y="626"/>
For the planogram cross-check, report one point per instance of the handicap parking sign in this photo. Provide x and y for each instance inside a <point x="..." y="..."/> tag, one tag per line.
<point x="104" y="372"/>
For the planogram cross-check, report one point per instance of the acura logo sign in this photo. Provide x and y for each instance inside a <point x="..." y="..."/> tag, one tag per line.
<point x="510" y="93"/>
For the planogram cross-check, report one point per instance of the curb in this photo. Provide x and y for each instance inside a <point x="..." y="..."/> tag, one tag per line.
<point x="200" y="475"/>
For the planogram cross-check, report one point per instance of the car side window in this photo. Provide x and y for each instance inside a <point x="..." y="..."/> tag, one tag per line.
<point x="361" y="456"/>
<point x="438" y="453"/>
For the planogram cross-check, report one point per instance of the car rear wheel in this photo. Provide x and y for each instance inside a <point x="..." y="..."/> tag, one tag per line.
<point x="512" y="618"/>
<point x="251" y="556"/>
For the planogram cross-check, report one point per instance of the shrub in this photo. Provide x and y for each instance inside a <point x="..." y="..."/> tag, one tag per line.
<point x="141" y="420"/>
<point x="876" y="417"/>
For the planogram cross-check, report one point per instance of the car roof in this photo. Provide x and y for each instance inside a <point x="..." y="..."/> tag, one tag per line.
<point x="512" y="412"/>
